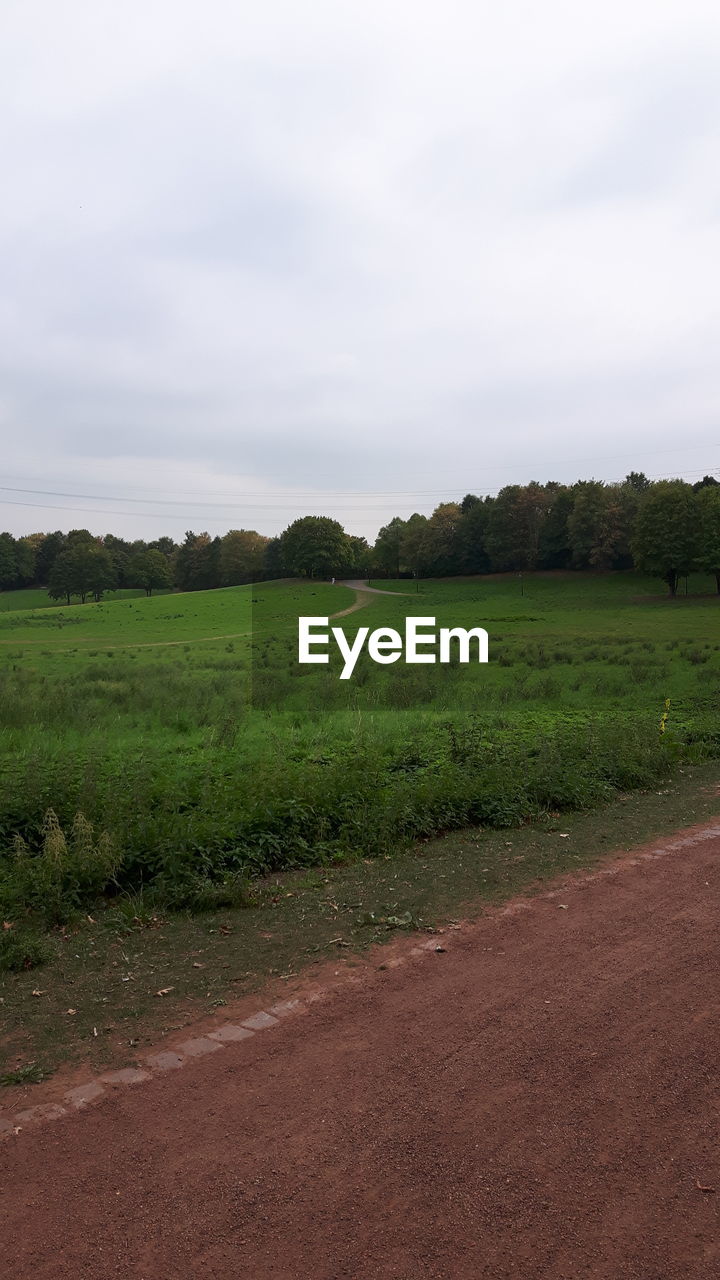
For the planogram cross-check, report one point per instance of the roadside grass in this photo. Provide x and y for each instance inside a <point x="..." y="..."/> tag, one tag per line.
<point x="96" y="1001"/>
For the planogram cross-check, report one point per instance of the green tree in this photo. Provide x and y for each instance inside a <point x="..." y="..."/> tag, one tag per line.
<point x="471" y="549"/>
<point x="358" y="561"/>
<point x="149" y="570"/>
<point x="81" y="570"/>
<point x="49" y="547"/>
<point x="96" y="568"/>
<point x="600" y="524"/>
<point x="273" y="563"/>
<point x="554" y="550"/>
<point x="516" y="526"/>
<point x="242" y="553"/>
<point x="315" y="545"/>
<point x="440" y="545"/>
<point x="61" y="583"/>
<point x="412" y="549"/>
<point x="707" y="501"/>
<point x="8" y="561"/>
<point x="638" y="481"/>
<point x="388" y="544"/>
<point x="665" y="541"/>
<point x="197" y="562"/>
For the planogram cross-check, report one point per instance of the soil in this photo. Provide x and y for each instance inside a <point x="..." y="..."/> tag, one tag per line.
<point x="539" y="1099"/>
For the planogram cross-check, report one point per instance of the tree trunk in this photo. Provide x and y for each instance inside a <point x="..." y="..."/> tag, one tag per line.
<point x="717" y="581"/>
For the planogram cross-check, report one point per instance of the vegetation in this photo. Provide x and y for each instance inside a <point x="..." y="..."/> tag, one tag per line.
<point x="97" y="998"/>
<point x="199" y="755"/>
<point x="669" y="528"/>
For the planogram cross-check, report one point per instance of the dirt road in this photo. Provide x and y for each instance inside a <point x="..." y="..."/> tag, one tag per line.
<point x="539" y="1099"/>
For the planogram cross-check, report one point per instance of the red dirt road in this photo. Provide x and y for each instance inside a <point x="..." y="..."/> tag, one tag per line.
<point x="539" y="1100"/>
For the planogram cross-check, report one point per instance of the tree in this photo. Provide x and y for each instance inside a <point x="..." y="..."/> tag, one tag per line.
<point x="242" y="554"/>
<point x="638" y="481"/>
<point x="315" y="544"/>
<point x="8" y="561"/>
<point x="440" y="550"/>
<point x="358" y="561"/>
<point x="472" y="556"/>
<point x="665" y="541"/>
<point x="197" y="562"/>
<point x="82" y="570"/>
<point x="273" y="563"/>
<point x="516" y="525"/>
<point x="149" y="570"/>
<point x="554" y="550"/>
<point x="386" y="552"/>
<point x="600" y="524"/>
<point x="708" y="507"/>
<point x="49" y="547"/>
<point x="96" y="568"/>
<point x="412" y="549"/>
<point x="61" y="582"/>
<point x="121" y="553"/>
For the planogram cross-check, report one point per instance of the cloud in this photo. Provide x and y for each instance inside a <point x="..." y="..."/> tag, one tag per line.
<point x="321" y="253"/>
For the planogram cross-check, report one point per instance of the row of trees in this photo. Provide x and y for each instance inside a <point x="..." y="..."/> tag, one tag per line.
<point x="79" y="564"/>
<point x="667" y="528"/>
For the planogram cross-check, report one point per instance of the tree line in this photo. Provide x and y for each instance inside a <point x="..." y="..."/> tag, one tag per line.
<point x="667" y="528"/>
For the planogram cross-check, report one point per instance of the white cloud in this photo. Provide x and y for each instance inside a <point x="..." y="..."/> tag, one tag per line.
<point x="298" y="250"/>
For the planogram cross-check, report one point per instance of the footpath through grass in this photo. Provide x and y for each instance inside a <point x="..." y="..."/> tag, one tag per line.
<point x="96" y="999"/>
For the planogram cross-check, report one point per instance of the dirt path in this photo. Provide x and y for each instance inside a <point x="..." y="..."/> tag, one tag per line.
<point x="362" y="596"/>
<point x="538" y="1100"/>
<point x="361" y="589"/>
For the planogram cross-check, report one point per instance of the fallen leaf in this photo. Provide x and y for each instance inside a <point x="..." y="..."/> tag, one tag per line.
<point x="564" y="835"/>
<point x="8" y="924"/>
<point x="38" y="993"/>
<point x="197" y="965"/>
<point x="563" y="906"/>
<point x="701" y="1187"/>
<point x="71" y="1011"/>
<point x="164" y="991"/>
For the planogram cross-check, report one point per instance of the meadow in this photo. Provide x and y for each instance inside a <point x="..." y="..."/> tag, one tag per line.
<point x="200" y="754"/>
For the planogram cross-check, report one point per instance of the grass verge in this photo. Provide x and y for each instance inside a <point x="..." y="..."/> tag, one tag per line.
<point x="97" y="1001"/>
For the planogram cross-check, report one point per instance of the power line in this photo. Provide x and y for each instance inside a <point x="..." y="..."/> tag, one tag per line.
<point x="257" y="500"/>
<point x="312" y="493"/>
<point x="256" y="507"/>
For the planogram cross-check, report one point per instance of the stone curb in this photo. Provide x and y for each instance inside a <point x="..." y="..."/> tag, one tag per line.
<point x="154" y="1064"/>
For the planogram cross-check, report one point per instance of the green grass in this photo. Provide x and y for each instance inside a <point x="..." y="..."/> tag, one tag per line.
<point x="38" y="598"/>
<point x="184" y="728"/>
<point x="96" y="1000"/>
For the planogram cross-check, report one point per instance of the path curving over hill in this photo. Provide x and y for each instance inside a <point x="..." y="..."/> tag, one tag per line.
<point x="363" y="592"/>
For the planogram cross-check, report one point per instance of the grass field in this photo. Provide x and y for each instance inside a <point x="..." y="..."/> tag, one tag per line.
<point x="184" y="728"/>
<point x="38" y="598"/>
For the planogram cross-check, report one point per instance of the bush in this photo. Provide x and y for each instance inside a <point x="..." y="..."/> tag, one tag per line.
<point x="21" y="949"/>
<point x="63" y="874"/>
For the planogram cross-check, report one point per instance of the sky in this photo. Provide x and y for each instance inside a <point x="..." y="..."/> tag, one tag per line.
<point x="260" y="260"/>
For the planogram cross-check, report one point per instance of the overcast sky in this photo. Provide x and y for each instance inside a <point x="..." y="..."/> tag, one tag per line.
<point x="263" y="259"/>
